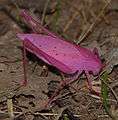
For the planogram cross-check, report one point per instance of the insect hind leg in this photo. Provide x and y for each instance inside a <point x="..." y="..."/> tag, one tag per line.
<point x="61" y="85"/>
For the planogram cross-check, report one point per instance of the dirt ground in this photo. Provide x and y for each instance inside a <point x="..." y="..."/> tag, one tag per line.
<point x="90" y="23"/>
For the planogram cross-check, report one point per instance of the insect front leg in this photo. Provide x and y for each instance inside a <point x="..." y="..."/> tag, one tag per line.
<point x="90" y="84"/>
<point x="24" y="82"/>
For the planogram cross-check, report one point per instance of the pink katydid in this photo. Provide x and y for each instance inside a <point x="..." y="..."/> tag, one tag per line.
<point x="65" y="56"/>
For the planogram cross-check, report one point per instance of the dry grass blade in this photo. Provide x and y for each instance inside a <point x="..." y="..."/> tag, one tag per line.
<point x="70" y="21"/>
<point x="44" y="11"/>
<point x="10" y="108"/>
<point x="81" y="38"/>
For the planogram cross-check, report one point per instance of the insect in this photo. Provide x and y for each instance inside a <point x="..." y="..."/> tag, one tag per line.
<point x="69" y="58"/>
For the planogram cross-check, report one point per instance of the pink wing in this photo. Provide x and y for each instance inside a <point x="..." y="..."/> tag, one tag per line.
<point x="61" y="54"/>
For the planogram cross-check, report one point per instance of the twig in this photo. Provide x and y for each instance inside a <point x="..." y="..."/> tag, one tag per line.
<point x="52" y="114"/>
<point x="114" y="84"/>
<point x="14" y="61"/>
<point x="46" y="114"/>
